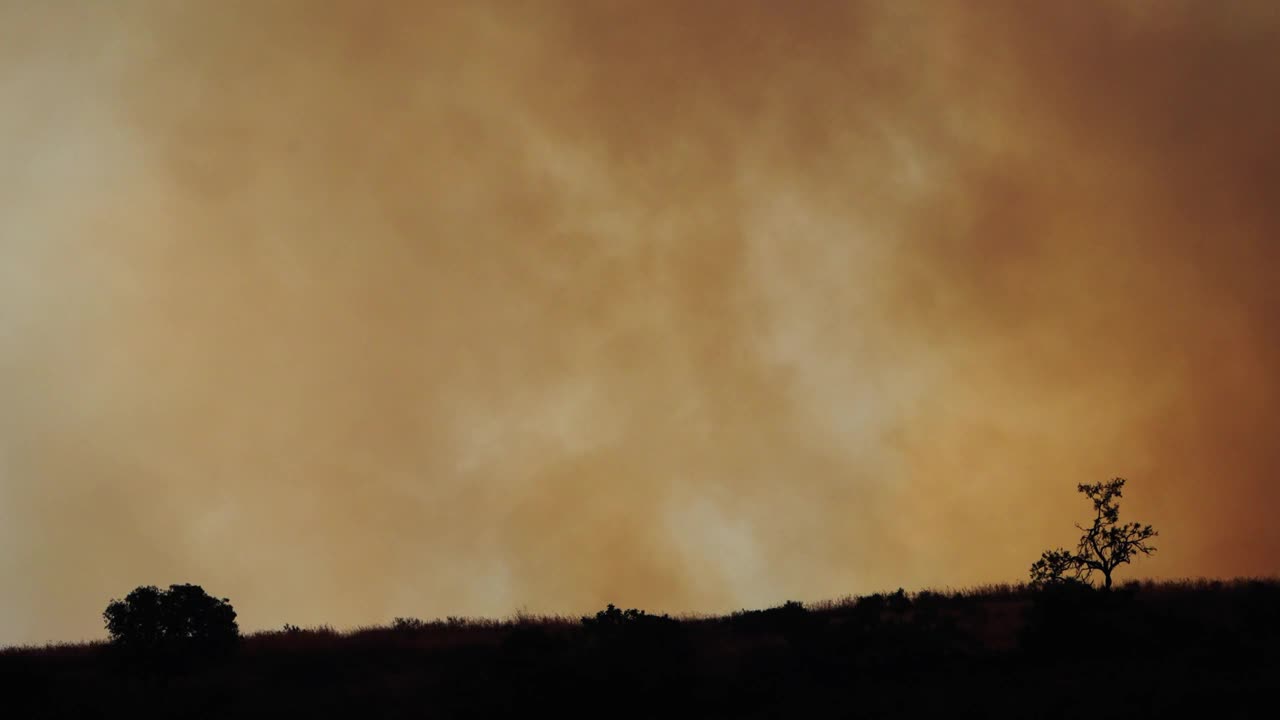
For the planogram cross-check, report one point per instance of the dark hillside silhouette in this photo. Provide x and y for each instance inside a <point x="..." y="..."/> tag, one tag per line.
<point x="1164" y="649"/>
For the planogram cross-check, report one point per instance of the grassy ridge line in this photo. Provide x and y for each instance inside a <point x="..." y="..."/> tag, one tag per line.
<point x="458" y="630"/>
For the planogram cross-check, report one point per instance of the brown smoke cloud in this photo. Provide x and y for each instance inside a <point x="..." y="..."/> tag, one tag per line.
<point x="351" y="310"/>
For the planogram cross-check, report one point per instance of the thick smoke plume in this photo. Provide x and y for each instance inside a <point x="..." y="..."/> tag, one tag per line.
<point x="348" y="310"/>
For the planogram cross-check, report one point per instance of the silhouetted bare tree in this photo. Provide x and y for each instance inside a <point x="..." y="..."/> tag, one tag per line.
<point x="1106" y="544"/>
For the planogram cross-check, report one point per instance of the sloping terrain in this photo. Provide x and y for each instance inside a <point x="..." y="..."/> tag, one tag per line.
<point x="1147" y="649"/>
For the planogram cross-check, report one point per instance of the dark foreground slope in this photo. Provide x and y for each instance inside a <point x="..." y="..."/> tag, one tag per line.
<point x="1146" y="650"/>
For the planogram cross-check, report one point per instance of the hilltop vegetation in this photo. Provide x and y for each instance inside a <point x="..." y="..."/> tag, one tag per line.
<point x="1142" y="649"/>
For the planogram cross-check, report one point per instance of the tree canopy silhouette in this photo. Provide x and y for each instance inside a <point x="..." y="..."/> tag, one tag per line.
<point x="183" y="618"/>
<point x="1106" y="544"/>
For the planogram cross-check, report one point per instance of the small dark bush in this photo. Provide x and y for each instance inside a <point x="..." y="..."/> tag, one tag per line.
<point x="631" y="627"/>
<point x="613" y="617"/>
<point x="788" y="618"/>
<point x="872" y="610"/>
<point x="898" y="602"/>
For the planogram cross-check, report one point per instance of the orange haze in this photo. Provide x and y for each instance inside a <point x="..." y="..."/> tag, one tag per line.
<point x="347" y="310"/>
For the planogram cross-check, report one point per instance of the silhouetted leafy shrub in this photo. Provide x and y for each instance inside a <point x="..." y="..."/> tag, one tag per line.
<point x="183" y="620"/>
<point x="613" y="617"/>
<point x="876" y="609"/>
<point x="788" y="618"/>
<point x="929" y="599"/>
<point x="635" y="628"/>
<point x="895" y="629"/>
<point x="898" y="602"/>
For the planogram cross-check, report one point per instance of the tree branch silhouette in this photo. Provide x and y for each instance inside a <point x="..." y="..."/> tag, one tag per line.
<point x="1104" y="546"/>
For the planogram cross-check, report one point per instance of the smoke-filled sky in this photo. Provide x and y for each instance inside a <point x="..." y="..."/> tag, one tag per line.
<point x="349" y="310"/>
